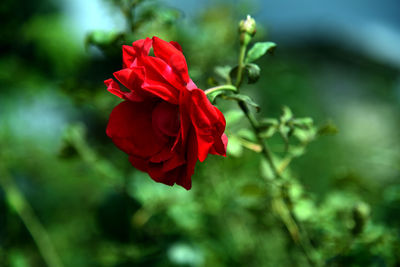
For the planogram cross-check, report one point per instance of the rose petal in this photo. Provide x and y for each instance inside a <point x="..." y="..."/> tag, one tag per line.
<point x="113" y="87"/>
<point x="208" y="123"/>
<point x="185" y="179"/>
<point x="220" y="146"/>
<point x="165" y="119"/>
<point x="128" y="55"/>
<point x="142" y="46"/>
<point x="160" y="80"/>
<point x="177" y="45"/>
<point x="155" y="170"/>
<point x="172" y="56"/>
<point x="131" y="129"/>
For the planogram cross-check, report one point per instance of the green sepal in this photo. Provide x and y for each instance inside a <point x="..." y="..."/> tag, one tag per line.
<point x="253" y="72"/>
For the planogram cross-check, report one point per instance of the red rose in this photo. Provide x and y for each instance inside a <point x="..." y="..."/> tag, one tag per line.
<point x="165" y="123"/>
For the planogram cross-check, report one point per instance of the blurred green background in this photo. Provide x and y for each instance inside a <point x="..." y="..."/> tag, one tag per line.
<point x="335" y="62"/>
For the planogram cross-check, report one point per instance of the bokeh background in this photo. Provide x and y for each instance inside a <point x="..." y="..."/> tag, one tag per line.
<point x="337" y="62"/>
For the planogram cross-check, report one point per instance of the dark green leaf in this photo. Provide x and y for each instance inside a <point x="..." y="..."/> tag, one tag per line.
<point x="258" y="50"/>
<point x="268" y="127"/>
<point x="268" y="132"/>
<point x="328" y="129"/>
<point x="212" y="97"/>
<point x="243" y="98"/>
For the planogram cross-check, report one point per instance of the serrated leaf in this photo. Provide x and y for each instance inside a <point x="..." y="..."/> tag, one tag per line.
<point x="243" y="98"/>
<point x="258" y="50"/>
<point x="253" y="72"/>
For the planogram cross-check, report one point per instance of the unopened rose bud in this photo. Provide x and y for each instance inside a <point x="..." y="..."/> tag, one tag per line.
<point x="247" y="29"/>
<point x="248" y="26"/>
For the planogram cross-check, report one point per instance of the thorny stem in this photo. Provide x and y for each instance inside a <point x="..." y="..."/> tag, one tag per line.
<point x="282" y="201"/>
<point x="30" y="220"/>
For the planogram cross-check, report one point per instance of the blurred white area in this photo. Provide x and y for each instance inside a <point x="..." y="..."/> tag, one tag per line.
<point x="86" y="16"/>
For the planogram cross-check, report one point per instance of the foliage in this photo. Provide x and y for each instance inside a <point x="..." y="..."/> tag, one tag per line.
<point x="57" y="163"/>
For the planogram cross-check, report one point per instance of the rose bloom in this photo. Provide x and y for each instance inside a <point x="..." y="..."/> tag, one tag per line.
<point x="165" y="123"/>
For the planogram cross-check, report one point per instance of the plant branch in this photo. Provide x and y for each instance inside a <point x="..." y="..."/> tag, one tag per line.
<point x="282" y="200"/>
<point x="239" y="77"/>
<point x="225" y="87"/>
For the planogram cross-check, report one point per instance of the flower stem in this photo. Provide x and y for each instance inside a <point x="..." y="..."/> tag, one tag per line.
<point x="239" y="77"/>
<point x="225" y="87"/>
<point x="282" y="200"/>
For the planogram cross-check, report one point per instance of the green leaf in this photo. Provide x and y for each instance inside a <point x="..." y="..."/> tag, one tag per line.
<point x="297" y="151"/>
<point x="269" y="132"/>
<point x="233" y="73"/>
<point x="304" y="123"/>
<point x="268" y="127"/>
<point x="212" y="97"/>
<point x="266" y="170"/>
<point x="328" y="129"/>
<point x="258" y="50"/>
<point x="223" y="72"/>
<point x="243" y="98"/>
<point x="287" y="114"/>
<point x="268" y="122"/>
<point x="253" y="72"/>
<point x="234" y="147"/>
<point x="304" y="209"/>
<point x="305" y="135"/>
<point x="247" y="134"/>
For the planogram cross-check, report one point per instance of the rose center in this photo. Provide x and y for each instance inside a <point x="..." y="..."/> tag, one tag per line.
<point x="165" y="119"/>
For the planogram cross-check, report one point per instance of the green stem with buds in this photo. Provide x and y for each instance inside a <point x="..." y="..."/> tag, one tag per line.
<point x="281" y="201"/>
